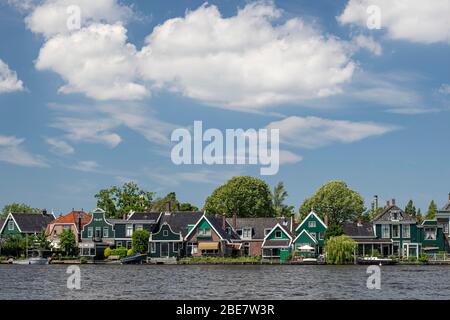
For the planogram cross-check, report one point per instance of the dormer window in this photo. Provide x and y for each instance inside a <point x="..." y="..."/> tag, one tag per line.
<point x="246" y="233"/>
<point x="278" y="234"/>
<point x="267" y="231"/>
<point x="311" y="224"/>
<point x="395" y="216"/>
<point x="10" y="225"/>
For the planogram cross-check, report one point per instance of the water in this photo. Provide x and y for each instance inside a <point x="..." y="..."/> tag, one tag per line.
<point x="223" y="282"/>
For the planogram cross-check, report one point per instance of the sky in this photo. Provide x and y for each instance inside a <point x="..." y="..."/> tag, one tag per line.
<point x="91" y="105"/>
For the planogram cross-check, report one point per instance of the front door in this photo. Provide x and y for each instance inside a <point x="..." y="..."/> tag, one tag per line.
<point x="164" y="249"/>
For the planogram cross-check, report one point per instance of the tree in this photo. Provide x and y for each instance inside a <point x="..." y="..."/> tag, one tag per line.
<point x="411" y="209"/>
<point x="119" y="201"/>
<point x="18" y="208"/>
<point x="432" y="210"/>
<point x="333" y="230"/>
<point x="67" y="241"/>
<point x="244" y="196"/>
<point x="419" y="216"/>
<point x="140" y="241"/>
<point x="13" y="245"/>
<point x="40" y="241"/>
<point x="188" y="207"/>
<point x="279" y="195"/>
<point x="340" y="250"/>
<point x="336" y="200"/>
<point x="160" y="204"/>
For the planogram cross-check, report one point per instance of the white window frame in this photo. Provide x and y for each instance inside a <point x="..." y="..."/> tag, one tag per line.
<point x="204" y="232"/>
<point x="139" y="227"/>
<point x="267" y="231"/>
<point x="11" y="225"/>
<point x="129" y="230"/>
<point x="90" y="232"/>
<point x="247" y="233"/>
<point x="434" y="233"/>
<point x="406" y="227"/>
<point x="385" y="227"/>
<point x="165" y="233"/>
<point x="398" y="231"/>
<point x="312" y="224"/>
<point x="281" y="234"/>
<point x="173" y="247"/>
<point x="152" y="247"/>
<point x="105" y="234"/>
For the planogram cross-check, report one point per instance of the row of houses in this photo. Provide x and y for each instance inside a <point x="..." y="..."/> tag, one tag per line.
<point x="184" y="234"/>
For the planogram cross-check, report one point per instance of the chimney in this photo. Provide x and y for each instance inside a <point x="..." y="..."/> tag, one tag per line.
<point x="44" y="212"/>
<point x="168" y="206"/>
<point x="224" y="222"/>
<point x="79" y="226"/>
<point x="292" y="224"/>
<point x="325" y="219"/>
<point x="393" y="202"/>
<point x="388" y="204"/>
<point x="234" y="221"/>
<point x="375" y="201"/>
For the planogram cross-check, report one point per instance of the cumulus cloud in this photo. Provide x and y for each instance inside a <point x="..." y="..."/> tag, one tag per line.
<point x="411" y="20"/>
<point x="59" y="146"/>
<point x="245" y="60"/>
<point x="13" y="152"/>
<point x="8" y="79"/>
<point x="315" y="132"/>
<point x="368" y="43"/>
<point x="96" y="61"/>
<point x="50" y="17"/>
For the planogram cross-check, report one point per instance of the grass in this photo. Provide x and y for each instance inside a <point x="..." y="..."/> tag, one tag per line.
<point x="221" y="259"/>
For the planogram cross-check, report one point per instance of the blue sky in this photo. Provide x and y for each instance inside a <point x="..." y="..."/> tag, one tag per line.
<point x="85" y="109"/>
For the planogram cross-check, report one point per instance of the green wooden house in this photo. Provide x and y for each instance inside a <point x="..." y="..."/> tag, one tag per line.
<point x="277" y="243"/>
<point x="124" y="229"/>
<point x="431" y="236"/>
<point x="310" y="233"/>
<point x="443" y="218"/>
<point x="96" y="236"/>
<point x="23" y="224"/>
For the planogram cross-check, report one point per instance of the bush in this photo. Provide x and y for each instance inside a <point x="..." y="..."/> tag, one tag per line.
<point x="412" y="259"/>
<point x="423" y="257"/>
<point x="83" y="260"/>
<point x="340" y="250"/>
<point x="140" y="241"/>
<point x="121" y="252"/>
<point x="107" y="252"/>
<point x="130" y="252"/>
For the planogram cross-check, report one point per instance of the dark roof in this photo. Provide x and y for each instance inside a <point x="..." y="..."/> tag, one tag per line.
<point x="145" y="216"/>
<point x="277" y="243"/>
<point x="446" y="207"/>
<point x="217" y="223"/>
<point x="363" y="230"/>
<point x="180" y="220"/>
<point x="260" y="224"/>
<point x="31" y="223"/>
<point x="2" y="221"/>
<point x="385" y="215"/>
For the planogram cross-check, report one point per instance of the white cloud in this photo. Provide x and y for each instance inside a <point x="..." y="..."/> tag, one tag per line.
<point x="413" y="110"/>
<point x="59" y="146"/>
<point x="8" y="79"/>
<point x="368" y="43"/>
<point x="445" y="88"/>
<point x="86" y="166"/>
<point x="95" y="61"/>
<point x="12" y="151"/>
<point x="245" y="61"/>
<point x="205" y="176"/>
<point x="412" y="20"/>
<point x="50" y="17"/>
<point x="314" y="132"/>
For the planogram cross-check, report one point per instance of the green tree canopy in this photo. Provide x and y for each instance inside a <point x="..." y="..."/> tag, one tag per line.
<point x="67" y="241"/>
<point x="185" y="206"/>
<point x="140" y="241"/>
<point x="119" y="201"/>
<point x="333" y="230"/>
<point x="432" y="210"/>
<point x="244" y="196"/>
<point x="279" y="195"/>
<point x="411" y="209"/>
<point x="340" y="250"/>
<point x="160" y="204"/>
<point x="18" y="208"/>
<point x="336" y="200"/>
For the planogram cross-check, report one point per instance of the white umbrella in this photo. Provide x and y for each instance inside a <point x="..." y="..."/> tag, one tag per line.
<point x="306" y="248"/>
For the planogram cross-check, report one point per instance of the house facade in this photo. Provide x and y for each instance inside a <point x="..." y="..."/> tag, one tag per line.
<point x="443" y="218"/>
<point x="96" y="235"/>
<point x="23" y="224"/>
<point x="277" y="243"/>
<point x="73" y="221"/>
<point x="124" y="229"/>
<point x="309" y="236"/>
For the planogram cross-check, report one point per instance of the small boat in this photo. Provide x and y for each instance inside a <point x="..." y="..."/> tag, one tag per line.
<point x="134" y="258"/>
<point x="32" y="261"/>
<point x="375" y="261"/>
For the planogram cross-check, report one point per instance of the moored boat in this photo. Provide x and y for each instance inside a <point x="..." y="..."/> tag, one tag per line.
<point x="32" y="261"/>
<point x="375" y="261"/>
<point x="134" y="258"/>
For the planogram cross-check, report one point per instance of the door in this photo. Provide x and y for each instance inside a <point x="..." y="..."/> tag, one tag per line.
<point x="164" y="249"/>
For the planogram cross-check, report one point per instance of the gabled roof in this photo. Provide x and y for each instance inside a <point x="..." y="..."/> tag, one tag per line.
<point x="312" y="213"/>
<point x="446" y="207"/>
<point x="71" y="218"/>
<point x="282" y="229"/>
<point x="308" y="234"/>
<point x="145" y="216"/>
<point x="385" y="215"/>
<point x="180" y="221"/>
<point x="30" y="222"/>
<point x="259" y="224"/>
<point x="362" y="230"/>
<point x="2" y="222"/>
<point x="216" y="223"/>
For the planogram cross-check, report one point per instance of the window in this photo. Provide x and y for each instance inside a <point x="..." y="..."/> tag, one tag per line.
<point x="385" y="232"/>
<point x="98" y="232"/>
<point x="153" y="247"/>
<point x="139" y="227"/>
<point x="105" y="232"/>
<point x="247" y="233"/>
<point x="165" y="233"/>
<point x="129" y="230"/>
<point x="128" y="244"/>
<point x="228" y="230"/>
<point x="430" y="234"/>
<point x="445" y="228"/>
<point x="311" y="224"/>
<point x="119" y="244"/>
<point x="266" y="231"/>
<point x="239" y="232"/>
<point x="406" y="230"/>
<point x="10" y="225"/>
<point x="278" y="234"/>
<point x="204" y="232"/>
<point x="320" y="236"/>
<point x="395" y="231"/>
<point x="175" y="247"/>
<point x="90" y="232"/>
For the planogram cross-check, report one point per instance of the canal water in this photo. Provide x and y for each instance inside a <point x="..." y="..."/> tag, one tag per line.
<point x="224" y="282"/>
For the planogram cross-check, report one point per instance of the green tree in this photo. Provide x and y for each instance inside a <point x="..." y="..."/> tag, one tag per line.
<point x="419" y="216"/>
<point x="411" y="209"/>
<point x="67" y="241"/>
<point x="333" y="230"/>
<point x="244" y="196"/>
<point x="340" y="250"/>
<point x="336" y="200"/>
<point x="13" y="245"/>
<point x="161" y="203"/>
<point x="188" y="207"/>
<point x="119" y="201"/>
<point x="40" y="241"/>
<point x="140" y="241"/>
<point x="432" y="210"/>
<point x="279" y="195"/>
<point x="18" y="208"/>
